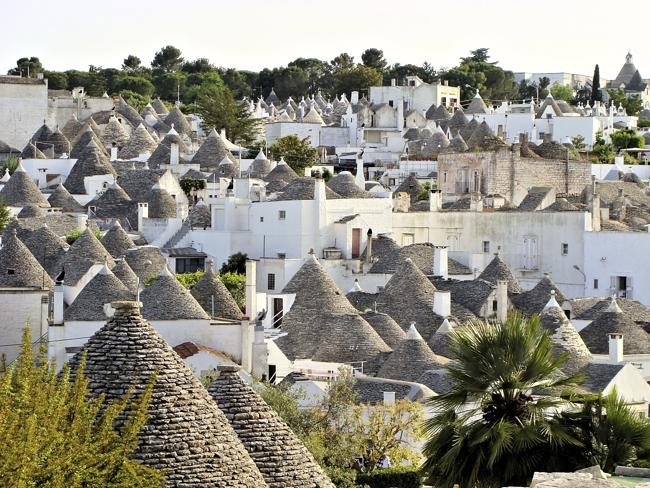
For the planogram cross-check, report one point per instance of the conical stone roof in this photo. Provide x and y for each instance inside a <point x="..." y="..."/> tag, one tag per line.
<point x="140" y="142"/>
<point x="42" y="134"/>
<point x="212" y="294"/>
<point x="469" y="129"/>
<point x="345" y="185"/>
<point x="565" y="337"/>
<point x="60" y="143"/>
<point x="411" y="359"/>
<point x="116" y="241"/>
<point x="113" y="202"/>
<point x="90" y="303"/>
<point x="114" y="133"/>
<point x="477" y="105"/>
<point x="212" y="152"/>
<point x="32" y="152"/>
<point x="535" y="300"/>
<point x="440" y="340"/>
<point x="91" y="162"/>
<point x="147" y="262"/>
<point x="30" y="211"/>
<point x="595" y="335"/>
<point x="85" y="252"/>
<point x="457" y="121"/>
<point x="482" y="137"/>
<point x="497" y="270"/>
<point x="72" y="128"/>
<point x="458" y="144"/>
<point x="162" y="153"/>
<point x="412" y="186"/>
<point x="186" y="435"/>
<point x="279" y="177"/>
<point x="19" y="268"/>
<point x="61" y="198"/>
<point x="386" y="327"/>
<point x="281" y="457"/>
<point x="323" y="325"/>
<point x="80" y="145"/>
<point x="260" y="167"/>
<point x="48" y="248"/>
<point x="408" y="298"/>
<point x="161" y="204"/>
<point x="21" y="191"/>
<point x="303" y="188"/>
<point x="167" y="299"/>
<point x="128" y="112"/>
<point x="159" y="107"/>
<point x="177" y="120"/>
<point x="125" y="274"/>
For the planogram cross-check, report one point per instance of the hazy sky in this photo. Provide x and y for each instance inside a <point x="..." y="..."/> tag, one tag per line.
<point x="566" y="35"/>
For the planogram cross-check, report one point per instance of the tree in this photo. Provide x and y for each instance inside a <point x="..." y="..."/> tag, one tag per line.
<point x="167" y="59"/>
<point x="374" y="58"/>
<point x="135" y="84"/>
<point x="200" y="65"/>
<point x="54" y="434"/>
<point x="136" y="100"/>
<point x="579" y="143"/>
<point x="219" y="109"/>
<point x="626" y="139"/>
<point x="236" y="264"/>
<point x="561" y="92"/>
<point x="632" y="103"/>
<point x="358" y="78"/>
<point x="602" y="150"/>
<point x="297" y="153"/>
<point x="610" y="433"/>
<point x="169" y="85"/>
<point x="489" y="430"/>
<point x="191" y="185"/>
<point x="56" y="80"/>
<point x="342" y="61"/>
<point x="543" y="84"/>
<point x="5" y="215"/>
<point x="11" y="163"/>
<point x="596" y="94"/>
<point x="28" y="67"/>
<point x="131" y="63"/>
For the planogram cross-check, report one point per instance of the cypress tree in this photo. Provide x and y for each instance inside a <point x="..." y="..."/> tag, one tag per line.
<point x="595" y="87"/>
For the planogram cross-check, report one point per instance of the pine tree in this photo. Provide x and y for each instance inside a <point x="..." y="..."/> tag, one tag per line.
<point x="54" y="435"/>
<point x="596" y="95"/>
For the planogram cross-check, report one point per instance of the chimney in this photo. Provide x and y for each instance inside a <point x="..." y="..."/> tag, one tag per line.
<point x="114" y="152"/>
<point x="442" y="303"/>
<point x="57" y="313"/>
<point x="354" y="97"/>
<point x="174" y="154"/>
<point x="42" y="178"/>
<point x="389" y="398"/>
<point x="400" y="114"/>
<point x="502" y="300"/>
<point x="251" y="288"/>
<point x="615" y="348"/>
<point x="143" y="213"/>
<point x="435" y="201"/>
<point x="360" y="178"/>
<point x="475" y="202"/>
<point x="441" y="262"/>
<point x="247" y="339"/>
<point x="369" y="248"/>
<point x="393" y="82"/>
<point x="260" y="353"/>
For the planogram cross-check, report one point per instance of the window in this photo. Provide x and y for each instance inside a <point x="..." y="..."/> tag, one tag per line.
<point x="11" y="271"/>
<point x="443" y="100"/>
<point x="595" y="284"/>
<point x="189" y="265"/>
<point x="282" y="255"/>
<point x="282" y="214"/>
<point x="408" y="239"/>
<point x="390" y="102"/>
<point x="495" y="305"/>
<point x="565" y="249"/>
<point x="261" y="219"/>
<point x="486" y="246"/>
<point x="270" y="281"/>
<point x="444" y="177"/>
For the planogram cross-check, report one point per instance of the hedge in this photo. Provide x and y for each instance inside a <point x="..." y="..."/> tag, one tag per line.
<point x="399" y="477"/>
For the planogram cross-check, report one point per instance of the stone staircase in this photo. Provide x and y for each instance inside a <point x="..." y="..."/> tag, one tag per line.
<point x="178" y="235"/>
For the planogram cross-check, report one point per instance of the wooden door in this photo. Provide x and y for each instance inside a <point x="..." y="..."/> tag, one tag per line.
<point x="356" y="243"/>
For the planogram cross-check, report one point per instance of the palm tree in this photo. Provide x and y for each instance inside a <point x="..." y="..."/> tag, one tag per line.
<point x="497" y="425"/>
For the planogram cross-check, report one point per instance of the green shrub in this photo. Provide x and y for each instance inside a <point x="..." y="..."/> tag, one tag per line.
<point x="398" y="477"/>
<point x="641" y="463"/>
<point x="74" y="234"/>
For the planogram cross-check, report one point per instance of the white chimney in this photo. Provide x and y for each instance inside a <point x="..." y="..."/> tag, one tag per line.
<point x="113" y="152"/>
<point x="260" y="353"/>
<point x="400" y="114"/>
<point x="435" y="201"/>
<point x="393" y="82"/>
<point x="389" y="398"/>
<point x="57" y="313"/>
<point x="442" y="303"/>
<point x="247" y="339"/>
<point x="42" y="178"/>
<point x="441" y="262"/>
<point x="143" y="213"/>
<point x="615" y="348"/>
<point x="174" y="154"/>
<point x="359" y="178"/>
<point x="354" y="97"/>
<point x="251" y="288"/>
<point x="502" y="300"/>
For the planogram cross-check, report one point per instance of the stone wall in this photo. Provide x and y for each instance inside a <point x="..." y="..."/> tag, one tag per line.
<point x="23" y="109"/>
<point x="505" y="172"/>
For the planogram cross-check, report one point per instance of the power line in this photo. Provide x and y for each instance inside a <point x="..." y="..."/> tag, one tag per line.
<point x="53" y="340"/>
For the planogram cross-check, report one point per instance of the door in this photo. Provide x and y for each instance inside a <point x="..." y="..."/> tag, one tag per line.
<point x="530" y="252"/>
<point x="356" y="243"/>
<point x="277" y="312"/>
<point x="407" y="239"/>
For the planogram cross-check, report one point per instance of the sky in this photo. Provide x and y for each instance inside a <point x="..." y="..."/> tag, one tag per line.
<point x="522" y="35"/>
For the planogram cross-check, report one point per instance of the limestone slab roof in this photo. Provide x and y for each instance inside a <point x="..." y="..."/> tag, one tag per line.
<point x="279" y="177"/>
<point x="125" y="274"/>
<point x="161" y="204"/>
<point x="72" y="128"/>
<point x="344" y="184"/>
<point x="212" y="294"/>
<point x="302" y="188"/>
<point x="468" y="294"/>
<point x="177" y="120"/>
<point x="280" y="456"/>
<point x="60" y="143"/>
<point x="412" y="186"/>
<point x="159" y="106"/>
<point x="438" y="380"/>
<point x="102" y="289"/>
<point x="128" y="112"/>
<point x="533" y="301"/>
<point x="47" y="248"/>
<point x="498" y="270"/>
<point x="595" y="335"/>
<point x="84" y="252"/>
<point x="126" y="353"/>
<point x="322" y="324"/>
<point x="441" y="338"/>
<point x="411" y="358"/>
<point x="476" y="105"/>
<point x="590" y="308"/>
<point x="114" y="133"/>
<point x="61" y="198"/>
<point x="116" y="241"/>
<point x="140" y="142"/>
<point x="18" y="267"/>
<point x="212" y="152"/>
<point x="21" y="190"/>
<point x="147" y="262"/>
<point x="385" y="326"/>
<point x="389" y="259"/>
<point x="167" y="299"/>
<point x="80" y="144"/>
<point x="599" y="376"/>
<point x="92" y="161"/>
<point x="458" y="143"/>
<point x="138" y="183"/>
<point x="370" y="390"/>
